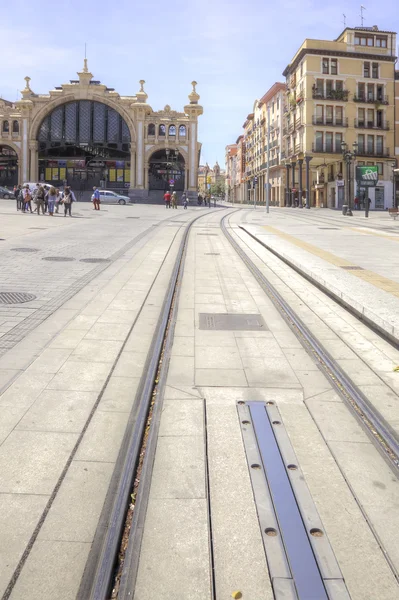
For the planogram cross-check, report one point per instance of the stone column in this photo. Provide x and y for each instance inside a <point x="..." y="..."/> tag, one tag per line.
<point x="293" y="183"/>
<point x="307" y="161"/>
<point x="25" y="151"/>
<point x="192" y="158"/>
<point x="132" y="168"/>
<point x="287" y="185"/>
<point x="300" y="163"/>
<point x="34" y="161"/>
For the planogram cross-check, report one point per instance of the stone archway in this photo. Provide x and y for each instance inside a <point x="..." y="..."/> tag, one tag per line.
<point x="165" y="168"/>
<point x="8" y="166"/>
<point x="85" y="143"/>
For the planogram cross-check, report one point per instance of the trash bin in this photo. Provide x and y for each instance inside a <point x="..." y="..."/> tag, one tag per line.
<point x="344" y="209"/>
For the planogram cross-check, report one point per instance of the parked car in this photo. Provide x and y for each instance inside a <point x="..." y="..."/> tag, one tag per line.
<point x="5" y="193"/>
<point x="109" y="197"/>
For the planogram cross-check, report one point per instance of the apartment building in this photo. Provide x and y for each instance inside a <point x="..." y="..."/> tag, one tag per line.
<point x="396" y="170"/>
<point x="230" y="166"/>
<point x="340" y="91"/>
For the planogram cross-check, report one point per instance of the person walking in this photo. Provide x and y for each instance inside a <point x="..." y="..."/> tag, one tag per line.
<point x="58" y="200"/>
<point x="167" y="197"/>
<point x="39" y="199"/>
<point x="174" y="199"/>
<point x="96" y="198"/>
<point x="17" y="194"/>
<point x="67" y="201"/>
<point x="27" y="199"/>
<point x="185" y="200"/>
<point x="51" y="199"/>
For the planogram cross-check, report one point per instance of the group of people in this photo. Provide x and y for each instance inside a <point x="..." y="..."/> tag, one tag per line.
<point x="204" y="199"/>
<point x="44" y="199"/>
<point x="171" y="200"/>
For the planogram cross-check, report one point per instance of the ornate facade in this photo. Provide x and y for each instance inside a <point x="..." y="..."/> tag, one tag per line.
<point x="84" y="133"/>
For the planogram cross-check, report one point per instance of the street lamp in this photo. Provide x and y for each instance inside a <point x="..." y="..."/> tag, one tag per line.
<point x="394" y="170"/>
<point x="348" y="157"/>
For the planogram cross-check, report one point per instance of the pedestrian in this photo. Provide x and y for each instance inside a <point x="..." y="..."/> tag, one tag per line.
<point x="185" y="200"/>
<point x="167" y="197"/>
<point x="199" y="199"/>
<point x="46" y="193"/>
<point x="174" y="199"/>
<point x="27" y="198"/>
<point x="39" y="199"/>
<point x="357" y="206"/>
<point x="58" y="200"/>
<point x="96" y="198"/>
<point x="51" y="199"/>
<point x="67" y="201"/>
<point x="17" y="195"/>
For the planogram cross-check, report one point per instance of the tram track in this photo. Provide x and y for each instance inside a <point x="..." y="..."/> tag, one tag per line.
<point x="376" y="426"/>
<point x="123" y="522"/>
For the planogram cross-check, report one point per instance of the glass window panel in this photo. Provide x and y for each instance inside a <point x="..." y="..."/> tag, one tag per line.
<point x="182" y="130"/>
<point x="329" y="142"/>
<point x="162" y="130"/>
<point x="113" y="126"/>
<point x="339" y="114"/>
<point x="370" y="144"/>
<point x="380" y="144"/>
<point x="56" y="118"/>
<point x="15" y="127"/>
<point x="319" y="141"/>
<point x="44" y="130"/>
<point x="329" y="114"/>
<point x="99" y="111"/>
<point x="151" y="129"/>
<point x="70" y="122"/>
<point x="84" y="121"/>
<point x="360" y="142"/>
<point x="172" y="130"/>
<point x="125" y="132"/>
<point x="338" y="142"/>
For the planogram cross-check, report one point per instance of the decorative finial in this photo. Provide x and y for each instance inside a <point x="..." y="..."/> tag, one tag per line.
<point x="142" y="82"/>
<point x="85" y="67"/>
<point x="27" y="86"/>
<point x="194" y="97"/>
<point x="194" y="83"/>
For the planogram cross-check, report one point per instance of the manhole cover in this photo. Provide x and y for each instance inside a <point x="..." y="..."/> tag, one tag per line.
<point x="24" y="249"/>
<point x="58" y="258"/>
<point x="206" y="233"/>
<point x="38" y="228"/>
<point x="15" y="297"/>
<point x="1" y="239"/>
<point x="330" y="228"/>
<point x="354" y="268"/>
<point x="132" y="217"/>
<point x="232" y="322"/>
<point x="94" y="260"/>
<point x="212" y="253"/>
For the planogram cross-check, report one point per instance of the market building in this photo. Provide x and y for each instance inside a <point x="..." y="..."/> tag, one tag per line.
<point x="85" y="134"/>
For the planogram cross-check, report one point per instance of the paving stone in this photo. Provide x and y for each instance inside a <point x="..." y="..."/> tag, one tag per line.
<point x="176" y="566"/>
<point x="217" y="357"/>
<point x="74" y="514"/>
<point x="53" y="570"/>
<point x="109" y="331"/>
<point x="80" y="376"/>
<point x="103" y="437"/>
<point x="103" y="351"/>
<point x="119" y="395"/>
<point x="219" y="377"/>
<point x="32" y="461"/>
<point x="19" y="515"/>
<point x="59" y="410"/>
<point x="130" y="364"/>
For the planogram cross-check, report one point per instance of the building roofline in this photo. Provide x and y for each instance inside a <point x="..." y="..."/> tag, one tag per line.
<point x="365" y="29"/>
<point x="324" y="52"/>
<point x="276" y="87"/>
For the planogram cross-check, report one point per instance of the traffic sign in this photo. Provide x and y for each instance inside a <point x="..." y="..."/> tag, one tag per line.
<point x="171" y="181"/>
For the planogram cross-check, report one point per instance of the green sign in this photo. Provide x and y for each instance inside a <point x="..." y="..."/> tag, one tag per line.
<point x="367" y="176"/>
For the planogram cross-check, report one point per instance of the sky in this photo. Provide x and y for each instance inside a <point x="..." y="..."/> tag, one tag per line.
<point x="235" y="50"/>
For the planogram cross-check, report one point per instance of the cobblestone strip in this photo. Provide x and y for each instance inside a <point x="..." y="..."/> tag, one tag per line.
<point x="9" y="340"/>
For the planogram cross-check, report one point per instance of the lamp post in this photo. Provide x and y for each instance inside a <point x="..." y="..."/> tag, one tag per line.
<point x="348" y="157"/>
<point x="300" y="163"/>
<point x="308" y="158"/>
<point x="394" y="169"/>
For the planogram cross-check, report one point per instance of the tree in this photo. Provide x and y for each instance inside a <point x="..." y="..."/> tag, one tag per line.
<point x="218" y="188"/>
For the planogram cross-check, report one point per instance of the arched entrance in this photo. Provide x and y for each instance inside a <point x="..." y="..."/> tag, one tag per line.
<point x="8" y="166"/>
<point x="85" y="143"/>
<point x="165" y="167"/>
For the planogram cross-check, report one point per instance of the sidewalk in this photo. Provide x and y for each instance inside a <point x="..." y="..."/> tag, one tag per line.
<point x="355" y="260"/>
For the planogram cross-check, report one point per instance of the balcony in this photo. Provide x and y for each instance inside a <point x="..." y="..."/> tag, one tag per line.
<point x="376" y="152"/>
<point x="327" y="149"/>
<point x="339" y="95"/>
<point x="298" y="123"/>
<point x="298" y="148"/>
<point x="362" y="124"/>
<point x="285" y="131"/>
<point x="371" y="99"/>
<point x="325" y="122"/>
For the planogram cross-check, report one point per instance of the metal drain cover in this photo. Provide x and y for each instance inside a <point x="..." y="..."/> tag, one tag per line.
<point x="24" y="249"/>
<point x="132" y="217"/>
<point x="15" y="297"/>
<point x="232" y="322"/>
<point x="206" y="233"/>
<point x="94" y="260"/>
<point x="354" y="268"/>
<point x="38" y="228"/>
<point x="212" y="253"/>
<point x="58" y="258"/>
<point x="330" y="228"/>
